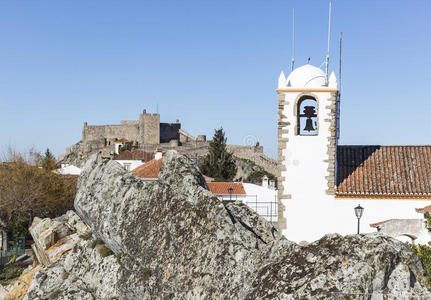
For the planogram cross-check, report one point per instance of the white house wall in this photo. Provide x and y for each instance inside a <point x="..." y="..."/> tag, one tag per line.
<point x="266" y="198"/>
<point x="375" y="210"/>
<point x="133" y="163"/>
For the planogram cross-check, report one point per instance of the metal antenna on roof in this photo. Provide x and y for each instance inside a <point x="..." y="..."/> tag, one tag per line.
<point x="339" y="67"/>
<point x="293" y="39"/>
<point x="329" y="38"/>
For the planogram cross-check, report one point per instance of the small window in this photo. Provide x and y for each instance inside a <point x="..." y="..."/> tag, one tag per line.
<point x="307" y="116"/>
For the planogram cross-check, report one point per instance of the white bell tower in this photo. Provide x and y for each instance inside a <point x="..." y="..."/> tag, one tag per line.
<point x="307" y="143"/>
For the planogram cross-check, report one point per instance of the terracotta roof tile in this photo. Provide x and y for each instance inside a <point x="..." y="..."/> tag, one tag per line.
<point x="426" y="209"/>
<point x="222" y="188"/>
<point x="137" y="154"/>
<point x="149" y="170"/>
<point x="375" y="225"/>
<point x="384" y="171"/>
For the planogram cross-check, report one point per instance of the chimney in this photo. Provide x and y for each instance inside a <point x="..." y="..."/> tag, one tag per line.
<point x="265" y="181"/>
<point x="159" y="154"/>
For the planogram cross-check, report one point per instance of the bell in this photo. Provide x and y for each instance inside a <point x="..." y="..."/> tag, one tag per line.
<point x="309" y="125"/>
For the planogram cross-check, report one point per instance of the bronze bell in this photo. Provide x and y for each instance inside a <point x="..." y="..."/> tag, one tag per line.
<point x="309" y="125"/>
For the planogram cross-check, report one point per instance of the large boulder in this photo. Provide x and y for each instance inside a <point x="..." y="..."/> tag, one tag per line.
<point x="172" y="238"/>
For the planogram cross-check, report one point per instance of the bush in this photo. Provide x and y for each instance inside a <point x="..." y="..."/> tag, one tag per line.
<point x="9" y="272"/>
<point x="424" y="254"/>
<point x="29" y="188"/>
<point x="146" y="273"/>
<point x="103" y="250"/>
<point x="424" y="251"/>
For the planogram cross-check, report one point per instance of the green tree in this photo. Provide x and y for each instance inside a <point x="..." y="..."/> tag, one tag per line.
<point x="48" y="161"/>
<point x="424" y="251"/>
<point x="219" y="162"/>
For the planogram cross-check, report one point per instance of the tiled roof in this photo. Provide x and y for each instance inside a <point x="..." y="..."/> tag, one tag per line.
<point x="222" y="188"/>
<point x="135" y="155"/>
<point x="426" y="209"/>
<point x="375" y="225"/>
<point x="384" y="171"/>
<point x="149" y="170"/>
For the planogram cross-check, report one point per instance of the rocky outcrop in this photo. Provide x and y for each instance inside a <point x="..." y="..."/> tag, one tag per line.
<point x="173" y="239"/>
<point x="54" y="237"/>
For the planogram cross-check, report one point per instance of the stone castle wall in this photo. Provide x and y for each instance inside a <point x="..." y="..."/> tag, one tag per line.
<point x="107" y="132"/>
<point x="151" y="125"/>
<point x="151" y="134"/>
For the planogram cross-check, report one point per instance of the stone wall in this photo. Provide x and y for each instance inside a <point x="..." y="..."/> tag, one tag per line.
<point x="129" y="122"/>
<point x="151" y="126"/>
<point x="102" y="132"/>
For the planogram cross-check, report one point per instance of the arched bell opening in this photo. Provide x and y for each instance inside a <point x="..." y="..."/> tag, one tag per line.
<point x="307" y="116"/>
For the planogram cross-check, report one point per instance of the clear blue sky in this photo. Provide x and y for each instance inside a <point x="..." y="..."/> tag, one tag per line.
<point x="209" y="64"/>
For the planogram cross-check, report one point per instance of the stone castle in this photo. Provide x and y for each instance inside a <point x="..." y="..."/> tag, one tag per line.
<point x="147" y="131"/>
<point x="148" y="134"/>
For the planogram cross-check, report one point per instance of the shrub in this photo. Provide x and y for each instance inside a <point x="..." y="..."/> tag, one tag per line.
<point x="9" y="272"/>
<point x="29" y="188"/>
<point x="424" y="251"/>
<point x="146" y="273"/>
<point x="103" y="250"/>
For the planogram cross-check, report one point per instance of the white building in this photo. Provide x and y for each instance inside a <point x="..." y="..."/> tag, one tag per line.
<point x="130" y="160"/>
<point x="321" y="182"/>
<point x="260" y="198"/>
<point x="407" y="230"/>
<point x="67" y="169"/>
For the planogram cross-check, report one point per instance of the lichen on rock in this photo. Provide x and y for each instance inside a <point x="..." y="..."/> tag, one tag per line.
<point x="172" y="238"/>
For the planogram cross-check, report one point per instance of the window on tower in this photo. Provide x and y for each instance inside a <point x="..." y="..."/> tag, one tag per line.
<point x="307" y="116"/>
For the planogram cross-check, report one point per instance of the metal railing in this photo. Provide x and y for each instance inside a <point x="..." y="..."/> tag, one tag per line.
<point x="16" y="250"/>
<point x="266" y="209"/>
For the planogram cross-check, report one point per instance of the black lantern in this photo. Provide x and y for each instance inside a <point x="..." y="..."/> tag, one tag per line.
<point x="359" y="210"/>
<point x="230" y="190"/>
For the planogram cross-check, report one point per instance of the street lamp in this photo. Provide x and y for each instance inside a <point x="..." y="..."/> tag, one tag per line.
<point x="359" y="210"/>
<point x="230" y="190"/>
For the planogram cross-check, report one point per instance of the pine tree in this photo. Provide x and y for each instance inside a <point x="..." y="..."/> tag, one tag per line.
<point x="219" y="162"/>
<point x="48" y="161"/>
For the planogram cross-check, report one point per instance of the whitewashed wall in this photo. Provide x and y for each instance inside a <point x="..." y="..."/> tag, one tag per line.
<point x="344" y="220"/>
<point x="266" y="198"/>
<point x="133" y="163"/>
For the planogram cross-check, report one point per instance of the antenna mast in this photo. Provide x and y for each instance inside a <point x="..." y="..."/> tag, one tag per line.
<point x="293" y="40"/>
<point x="339" y="70"/>
<point x="329" y="38"/>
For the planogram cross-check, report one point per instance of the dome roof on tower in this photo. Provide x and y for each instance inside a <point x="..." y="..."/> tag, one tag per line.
<point x="306" y="76"/>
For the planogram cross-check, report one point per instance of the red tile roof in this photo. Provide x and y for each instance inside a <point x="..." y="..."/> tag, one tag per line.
<point x="384" y="171"/>
<point x="375" y="225"/>
<point x="149" y="170"/>
<point x="222" y="188"/>
<point x="135" y="155"/>
<point x="426" y="209"/>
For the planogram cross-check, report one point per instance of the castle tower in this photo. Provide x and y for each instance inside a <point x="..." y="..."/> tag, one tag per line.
<point x="307" y="143"/>
<point x="149" y="128"/>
